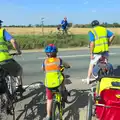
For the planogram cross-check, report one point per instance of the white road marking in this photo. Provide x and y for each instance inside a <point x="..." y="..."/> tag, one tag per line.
<point x="73" y="56"/>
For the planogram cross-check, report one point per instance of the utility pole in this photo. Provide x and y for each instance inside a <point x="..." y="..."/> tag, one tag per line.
<point x="42" y="24"/>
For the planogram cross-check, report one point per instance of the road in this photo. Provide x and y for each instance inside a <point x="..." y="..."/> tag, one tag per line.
<point x="79" y="61"/>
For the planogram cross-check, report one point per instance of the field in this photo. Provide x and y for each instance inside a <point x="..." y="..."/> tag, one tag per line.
<point x="19" y="31"/>
<point x="32" y="38"/>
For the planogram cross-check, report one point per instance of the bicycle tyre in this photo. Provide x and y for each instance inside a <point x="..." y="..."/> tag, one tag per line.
<point x="11" y="98"/>
<point x="90" y="107"/>
<point x="56" y="106"/>
<point x="3" y="107"/>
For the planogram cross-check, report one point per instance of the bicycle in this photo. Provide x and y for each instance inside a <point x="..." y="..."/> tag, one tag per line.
<point x="8" y="96"/>
<point x="64" y="34"/>
<point x="58" y="104"/>
<point x="104" y="69"/>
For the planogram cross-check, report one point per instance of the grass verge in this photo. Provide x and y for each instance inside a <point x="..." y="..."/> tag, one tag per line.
<point x="40" y="41"/>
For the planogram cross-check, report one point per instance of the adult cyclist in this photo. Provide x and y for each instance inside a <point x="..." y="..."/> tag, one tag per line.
<point x="6" y="60"/>
<point x="64" y="25"/>
<point x="100" y="39"/>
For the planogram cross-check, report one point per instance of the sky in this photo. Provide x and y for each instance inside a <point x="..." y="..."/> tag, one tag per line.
<point x="24" y="12"/>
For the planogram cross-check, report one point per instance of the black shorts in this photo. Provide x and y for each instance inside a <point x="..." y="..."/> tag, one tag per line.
<point x="12" y="67"/>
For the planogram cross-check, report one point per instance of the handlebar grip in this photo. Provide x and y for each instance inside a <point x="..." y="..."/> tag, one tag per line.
<point x="13" y="54"/>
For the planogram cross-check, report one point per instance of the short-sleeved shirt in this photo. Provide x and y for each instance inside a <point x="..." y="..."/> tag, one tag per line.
<point x="92" y="37"/>
<point x="64" y="24"/>
<point x="7" y="36"/>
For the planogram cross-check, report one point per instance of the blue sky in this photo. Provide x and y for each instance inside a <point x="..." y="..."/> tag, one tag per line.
<point x="77" y="11"/>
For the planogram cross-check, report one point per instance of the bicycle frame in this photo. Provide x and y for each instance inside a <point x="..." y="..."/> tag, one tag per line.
<point x="58" y="98"/>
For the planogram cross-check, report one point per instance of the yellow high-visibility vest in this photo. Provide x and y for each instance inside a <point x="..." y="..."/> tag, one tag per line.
<point x="101" y="40"/>
<point x="4" y="54"/>
<point x="53" y="75"/>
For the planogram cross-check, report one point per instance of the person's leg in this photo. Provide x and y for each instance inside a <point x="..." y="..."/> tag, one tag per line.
<point x="66" y="31"/>
<point x="49" y="103"/>
<point x="14" y="69"/>
<point x="63" y="90"/>
<point x="90" y="69"/>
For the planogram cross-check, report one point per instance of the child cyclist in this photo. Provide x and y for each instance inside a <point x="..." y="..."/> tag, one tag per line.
<point x="53" y="76"/>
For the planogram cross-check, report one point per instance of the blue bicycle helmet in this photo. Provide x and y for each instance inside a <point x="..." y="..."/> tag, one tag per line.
<point x="51" y="48"/>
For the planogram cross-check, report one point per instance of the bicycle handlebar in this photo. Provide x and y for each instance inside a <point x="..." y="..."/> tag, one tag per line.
<point x="64" y="67"/>
<point x="13" y="54"/>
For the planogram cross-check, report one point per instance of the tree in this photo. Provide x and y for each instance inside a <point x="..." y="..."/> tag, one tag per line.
<point x="30" y="25"/>
<point x="116" y="25"/>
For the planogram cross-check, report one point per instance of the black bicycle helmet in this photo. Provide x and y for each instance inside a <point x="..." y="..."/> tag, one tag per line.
<point x="1" y="22"/>
<point x="95" y="23"/>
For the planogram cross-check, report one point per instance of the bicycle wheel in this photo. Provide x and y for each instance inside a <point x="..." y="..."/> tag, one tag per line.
<point x="6" y="108"/>
<point x="56" y="115"/>
<point x="3" y="107"/>
<point x="71" y="96"/>
<point x="90" y="107"/>
<point x="11" y="96"/>
<point x="11" y="108"/>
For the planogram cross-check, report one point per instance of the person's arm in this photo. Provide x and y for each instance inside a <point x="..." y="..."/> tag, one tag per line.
<point x="15" y="45"/>
<point x="65" y="64"/>
<point x="110" y="36"/>
<point x="10" y="39"/>
<point x="43" y="66"/>
<point x="92" y="44"/>
<point x="62" y="23"/>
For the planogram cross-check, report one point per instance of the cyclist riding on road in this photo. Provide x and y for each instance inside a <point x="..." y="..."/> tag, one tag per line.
<point x="100" y="39"/>
<point x="53" y="76"/>
<point x="64" y="25"/>
<point x="6" y="60"/>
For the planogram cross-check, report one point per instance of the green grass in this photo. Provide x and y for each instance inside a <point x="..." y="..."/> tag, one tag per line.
<point x="39" y="41"/>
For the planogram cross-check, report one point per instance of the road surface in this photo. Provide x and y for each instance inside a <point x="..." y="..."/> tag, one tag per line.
<point x="79" y="61"/>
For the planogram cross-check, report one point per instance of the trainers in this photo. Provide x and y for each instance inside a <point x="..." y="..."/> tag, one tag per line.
<point x="48" y="118"/>
<point x="87" y="80"/>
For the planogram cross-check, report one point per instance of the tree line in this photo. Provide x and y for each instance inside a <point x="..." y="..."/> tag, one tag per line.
<point x="105" y="24"/>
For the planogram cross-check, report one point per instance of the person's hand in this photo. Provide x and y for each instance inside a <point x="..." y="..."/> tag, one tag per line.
<point x="91" y="56"/>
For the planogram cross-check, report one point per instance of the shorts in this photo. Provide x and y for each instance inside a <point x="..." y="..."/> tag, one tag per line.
<point x="12" y="67"/>
<point x="98" y="56"/>
<point x="49" y="93"/>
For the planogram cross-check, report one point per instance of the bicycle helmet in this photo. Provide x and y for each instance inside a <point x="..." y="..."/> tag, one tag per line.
<point x="1" y="22"/>
<point x="51" y="50"/>
<point x="95" y="23"/>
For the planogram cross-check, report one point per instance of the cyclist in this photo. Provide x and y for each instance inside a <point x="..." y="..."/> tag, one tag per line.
<point x="53" y="76"/>
<point x="6" y="60"/>
<point x="64" y="25"/>
<point x="100" y="39"/>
